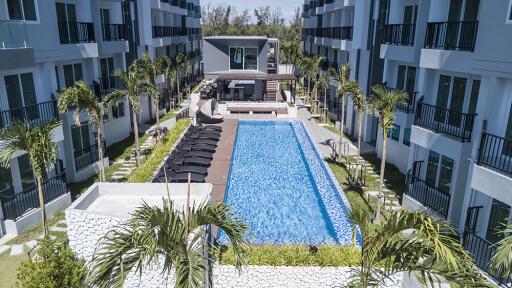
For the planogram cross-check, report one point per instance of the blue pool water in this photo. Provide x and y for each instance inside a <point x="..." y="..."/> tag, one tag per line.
<point x="279" y="186"/>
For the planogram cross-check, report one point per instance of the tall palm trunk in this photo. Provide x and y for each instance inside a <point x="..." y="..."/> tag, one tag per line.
<point x="178" y="86"/>
<point x="309" y="89"/>
<point x="342" y="124"/>
<point x="103" y="178"/>
<point x="381" y="179"/>
<point x="136" y="133"/>
<point x="326" y="116"/>
<point x="39" y="180"/>
<point x="359" y="131"/>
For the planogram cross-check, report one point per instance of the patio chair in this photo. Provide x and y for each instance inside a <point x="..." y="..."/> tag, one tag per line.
<point x="191" y="161"/>
<point x="193" y="140"/>
<point x="202" y="135"/>
<point x="186" y="169"/>
<point x="201" y="129"/>
<point x="183" y="177"/>
<point x="196" y="147"/>
<point x="194" y="153"/>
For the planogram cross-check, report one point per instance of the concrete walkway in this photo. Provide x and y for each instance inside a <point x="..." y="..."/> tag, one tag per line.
<point x="326" y="139"/>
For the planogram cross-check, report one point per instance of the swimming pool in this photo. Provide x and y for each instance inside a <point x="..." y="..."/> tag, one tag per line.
<point x="280" y="187"/>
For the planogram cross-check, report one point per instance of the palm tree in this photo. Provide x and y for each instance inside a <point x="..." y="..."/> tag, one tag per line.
<point x="321" y="84"/>
<point x="152" y="69"/>
<point x="42" y="151"/>
<point x="359" y="103"/>
<point x="345" y="86"/>
<point x="182" y="66"/>
<point x="170" y="73"/>
<point x="134" y="85"/>
<point x="83" y="99"/>
<point x="501" y="261"/>
<point x="178" y="236"/>
<point x="412" y="242"/>
<point x="383" y="105"/>
<point x="313" y="64"/>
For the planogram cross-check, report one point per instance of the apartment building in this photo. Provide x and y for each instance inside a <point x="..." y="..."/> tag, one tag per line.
<point x="454" y="135"/>
<point x="46" y="46"/>
<point x="169" y="27"/>
<point x="344" y="31"/>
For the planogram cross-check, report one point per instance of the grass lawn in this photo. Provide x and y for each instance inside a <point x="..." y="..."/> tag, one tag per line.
<point x="8" y="266"/>
<point x="36" y="231"/>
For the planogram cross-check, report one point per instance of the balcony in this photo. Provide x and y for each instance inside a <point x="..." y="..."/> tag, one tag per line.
<point x="15" y="205"/>
<point x="481" y="251"/>
<point x="76" y="32"/>
<point x="428" y="195"/>
<point x="496" y="153"/>
<point x="87" y="156"/>
<point x="454" y="35"/>
<point x="37" y="114"/>
<point x="115" y="32"/>
<point x="446" y="121"/>
<point x="168" y="31"/>
<point x="15" y="50"/>
<point x="398" y="34"/>
<point x="407" y="107"/>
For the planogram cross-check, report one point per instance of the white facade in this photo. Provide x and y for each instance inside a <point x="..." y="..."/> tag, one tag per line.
<point x="45" y="46"/>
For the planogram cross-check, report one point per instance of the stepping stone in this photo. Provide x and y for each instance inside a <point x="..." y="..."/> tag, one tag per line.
<point x="31" y="244"/>
<point x="4" y="248"/>
<point x="62" y="222"/>
<point x="16" y="250"/>
<point x="117" y="177"/>
<point x="58" y="229"/>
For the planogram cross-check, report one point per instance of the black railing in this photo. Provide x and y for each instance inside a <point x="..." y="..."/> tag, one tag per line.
<point x="409" y="105"/>
<point x="115" y="32"/>
<point x="168" y="31"/>
<point x="37" y="114"/>
<point x="398" y="34"/>
<point x="343" y="33"/>
<point x="15" y="205"/>
<point x="87" y="156"/>
<point x="185" y="113"/>
<point x="442" y="120"/>
<point x="454" y="35"/>
<point x="76" y="32"/>
<point x="496" y="153"/>
<point x="429" y="196"/>
<point x="481" y="251"/>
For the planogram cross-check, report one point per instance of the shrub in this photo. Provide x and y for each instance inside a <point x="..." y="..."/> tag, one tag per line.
<point x="55" y="266"/>
<point x="160" y="151"/>
<point x="299" y="255"/>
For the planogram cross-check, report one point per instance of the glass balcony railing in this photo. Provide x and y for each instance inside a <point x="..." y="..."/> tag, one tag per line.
<point x="13" y="35"/>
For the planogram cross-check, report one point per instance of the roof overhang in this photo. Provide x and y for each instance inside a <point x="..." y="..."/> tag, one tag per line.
<point x="264" y="77"/>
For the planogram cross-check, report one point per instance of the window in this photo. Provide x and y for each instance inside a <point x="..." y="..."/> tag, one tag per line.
<point x="66" y="18"/>
<point x="105" y="23"/>
<point x="22" y="10"/>
<point x="500" y="214"/>
<point x="72" y="74"/>
<point x="5" y="178"/>
<point x="21" y="92"/>
<point x="107" y="69"/>
<point x="439" y="171"/>
<point x="445" y="174"/>
<point x="80" y="137"/>
<point x="394" y="132"/>
<point x="26" y="173"/>
<point x="432" y="165"/>
<point x="118" y="110"/>
<point x="407" y="137"/>
<point x="243" y="58"/>
<point x="509" y="13"/>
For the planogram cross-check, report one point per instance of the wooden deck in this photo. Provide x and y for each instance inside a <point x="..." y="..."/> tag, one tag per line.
<point x="219" y="170"/>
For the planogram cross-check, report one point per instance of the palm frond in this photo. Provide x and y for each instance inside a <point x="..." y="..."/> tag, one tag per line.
<point x="501" y="262"/>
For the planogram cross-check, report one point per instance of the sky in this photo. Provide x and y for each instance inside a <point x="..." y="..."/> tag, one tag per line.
<point x="287" y="6"/>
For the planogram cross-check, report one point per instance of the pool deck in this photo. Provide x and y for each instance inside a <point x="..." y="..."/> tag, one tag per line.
<point x="219" y="170"/>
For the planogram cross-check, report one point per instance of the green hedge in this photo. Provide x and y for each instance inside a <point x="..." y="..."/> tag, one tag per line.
<point x="299" y="255"/>
<point x="160" y="151"/>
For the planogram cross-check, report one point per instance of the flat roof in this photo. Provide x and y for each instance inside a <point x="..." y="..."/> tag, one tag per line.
<point x="237" y="37"/>
<point x="266" y="77"/>
<point x="120" y="200"/>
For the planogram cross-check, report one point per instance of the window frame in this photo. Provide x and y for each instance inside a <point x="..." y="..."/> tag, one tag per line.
<point x="23" y="16"/>
<point x="407" y="141"/>
<point x="118" y="110"/>
<point x="243" y="58"/>
<point x="392" y="132"/>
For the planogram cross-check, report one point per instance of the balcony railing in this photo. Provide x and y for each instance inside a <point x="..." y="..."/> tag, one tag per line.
<point x="398" y="34"/>
<point x="115" y="32"/>
<point x="429" y="196"/>
<point x="37" y="114"/>
<point x="168" y="31"/>
<point x="496" y="153"/>
<point x="87" y="156"/>
<point x="446" y="121"/>
<point x="343" y="33"/>
<point x="76" y="32"/>
<point x="13" y="35"/>
<point x="481" y="251"/>
<point x="15" y="205"/>
<point x="407" y="107"/>
<point x="454" y="35"/>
